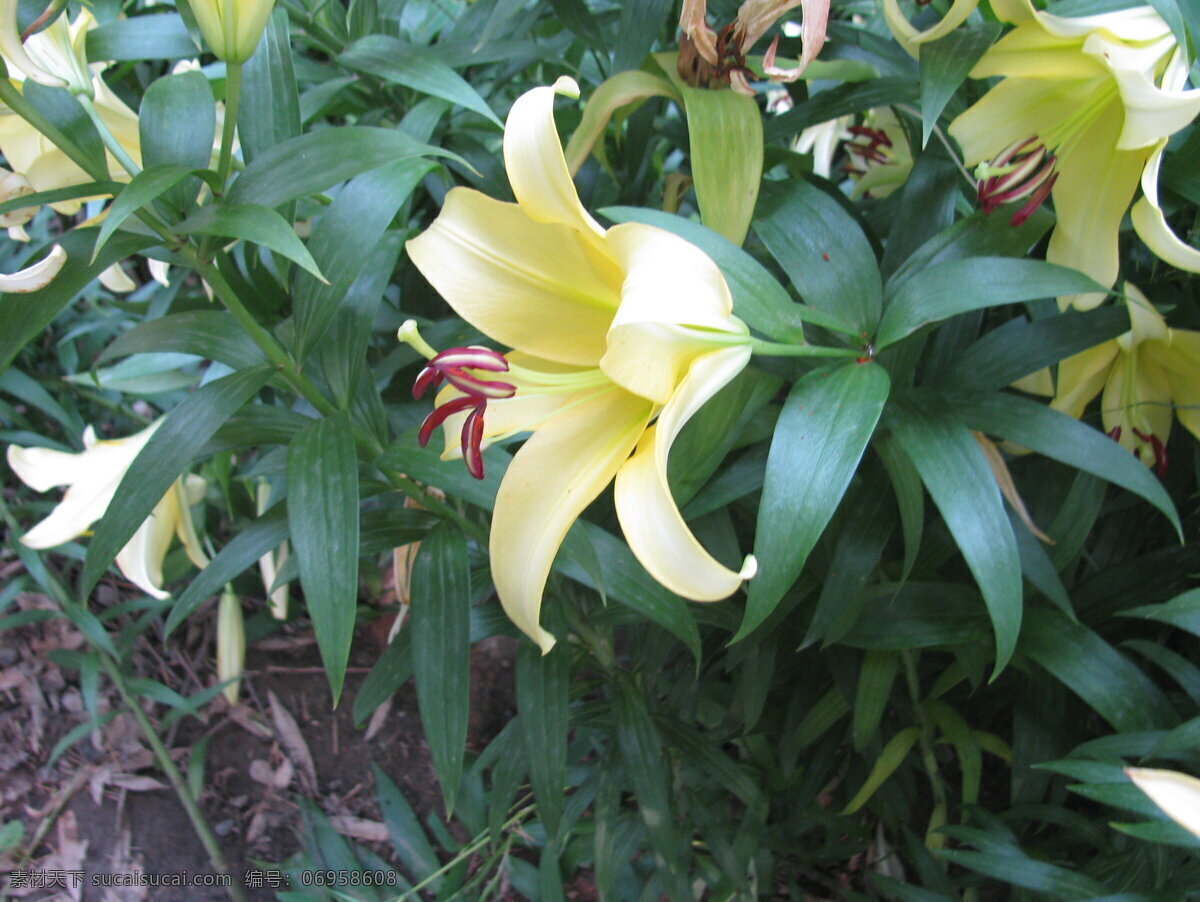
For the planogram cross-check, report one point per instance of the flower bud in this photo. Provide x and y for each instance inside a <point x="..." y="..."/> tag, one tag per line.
<point x="232" y="27"/>
<point x="231" y="644"/>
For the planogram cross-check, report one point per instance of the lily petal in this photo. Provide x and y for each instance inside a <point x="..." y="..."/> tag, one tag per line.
<point x="1089" y="220"/>
<point x="1152" y="112"/>
<point x="650" y="519"/>
<point x="142" y="557"/>
<point x="1151" y="225"/>
<point x="530" y="285"/>
<point x="14" y="50"/>
<point x="1137" y="398"/>
<point x="911" y="38"/>
<point x="189" y="490"/>
<point x="1082" y="376"/>
<point x="42" y="468"/>
<point x="117" y="280"/>
<point x="1181" y="361"/>
<point x="1178" y="795"/>
<point x="37" y="276"/>
<point x="537" y="169"/>
<point x="674" y="298"/>
<point x="557" y="473"/>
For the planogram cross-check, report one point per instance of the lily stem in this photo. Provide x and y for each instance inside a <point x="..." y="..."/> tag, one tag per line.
<point x="163" y="757"/>
<point x="110" y="142"/>
<point x="233" y="95"/>
<point x="773" y="349"/>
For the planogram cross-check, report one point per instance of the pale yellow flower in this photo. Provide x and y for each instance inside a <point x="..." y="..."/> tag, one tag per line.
<point x="610" y="328"/>
<point x="92" y="477"/>
<point x="1094" y="99"/>
<point x="1178" y="795"/>
<point x="231" y="644"/>
<point x="35" y="276"/>
<point x="1148" y="376"/>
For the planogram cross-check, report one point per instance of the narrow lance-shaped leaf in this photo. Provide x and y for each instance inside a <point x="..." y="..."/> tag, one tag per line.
<point x="260" y="225"/>
<point x="322" y="471"/>
<point x="958" y="478"/>
<point x="542" y="684"/>
<point x="441" y="650"/>
<point x="163" y="459"/>
<point x="826" y="422"/>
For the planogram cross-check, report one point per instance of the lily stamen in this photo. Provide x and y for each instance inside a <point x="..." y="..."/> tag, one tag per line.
<point x="452" y="365"/>
<point x="1024" y="169"/>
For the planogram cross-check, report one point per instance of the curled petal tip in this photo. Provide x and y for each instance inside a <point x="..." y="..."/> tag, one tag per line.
<point x="749" y="567"/>
<point x="566" y="86"/>
<point x="37" y="276"/>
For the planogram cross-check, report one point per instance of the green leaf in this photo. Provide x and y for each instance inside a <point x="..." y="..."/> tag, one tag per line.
<point x="390" y="671"/>
<point x="885" y="765"/>
<point x="343" y="240"/>
<point x="322" y="477"/>
<point x="543" y="682"/>
<point x="146" y="37"/>
<point x="144" y="188"/>
<point x="874" y="690"/>
<point x="1020" y="347"/>
<point x="641" y="22"/>
<point x="726" y="152"/>
<point x="944" y="66"/>
<point x="67" y="116"/>
<point x="979" y="235"/>
<point x="401" y="63"/>
<point x="1182" y="611"/>
<point x="404" y="830"/>
<point x="910" y="497"/>
<point x="71" y="192"/>
<point x="163" y="459"/>
<point x="626" y="581"/>
<point x="212" y="334"/>
<point x="956" y="286"/>
<point x="314" y="162"/>
<point x="441" y="650"/>
<point x="641" y="750"/>
<point x="925" y="209"/>
<point x="177" y="121"/>
<point x="961" y="484"/>
<point x="270" y="106"/>
<point x="1016" y="869"/>
<point x="260" y="537"/>
<point x="841" y="101"/>
<point x="1063" y="438"/>
<point x="1091" y="668"/>
<point x="823" y="251"/>
<point x="758" y="299"/>
<point x="826" y="422"/>
<point x="250" y="222"/>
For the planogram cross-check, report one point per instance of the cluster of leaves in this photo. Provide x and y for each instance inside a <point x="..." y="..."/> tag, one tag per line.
<point x="913" y="700"/>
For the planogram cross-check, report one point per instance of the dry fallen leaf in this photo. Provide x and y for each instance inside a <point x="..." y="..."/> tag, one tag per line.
<point x="360" y="828"/>
<point x="293" y="743"/>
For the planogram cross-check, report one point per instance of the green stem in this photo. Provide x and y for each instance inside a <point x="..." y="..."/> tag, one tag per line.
<point x="111" y="143"/>
<point x="928" y="757"/>
<point x="233" y="95"/>
<point x="774" y="349"/>
<point x="199" y="824"/>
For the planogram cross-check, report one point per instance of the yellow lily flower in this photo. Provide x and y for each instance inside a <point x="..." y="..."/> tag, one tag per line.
<point x="910" y="37"/>
<point x="55" y="56"/>
<point x="31" y="153"/>
<point x="880" y="158"/>
<point x="232" y="28"/>
<point x="92" y="477"/>
<point x="1144" y="374"/>
<point x="1178" y="795"/>
<point x="1083" y="114"/>
<point x="609" y="328"/>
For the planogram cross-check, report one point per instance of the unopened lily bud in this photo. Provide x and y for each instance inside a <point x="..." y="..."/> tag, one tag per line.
<point x="12" y="186"/>
<point x="231" y="644"/>
<point x="231" y="28"/>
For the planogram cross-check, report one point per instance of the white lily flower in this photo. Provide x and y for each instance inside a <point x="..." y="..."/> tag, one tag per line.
<point x="92" y="477"/>
<point x="1178" y="795"/>
<point x="36" y="276"/>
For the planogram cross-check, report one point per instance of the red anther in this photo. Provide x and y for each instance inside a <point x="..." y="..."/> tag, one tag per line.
<point x="440" y="414"/>
<point x="1156" y="446"/>
<point x="454" y="365"/>
<point x="472" y="441"/>
<point x="1115" y="433"/>
<point x="1035" y="200"/>
<point x="1031" y="173"/>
